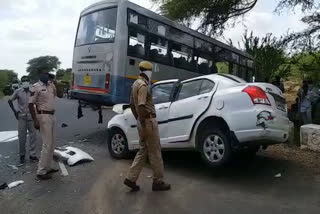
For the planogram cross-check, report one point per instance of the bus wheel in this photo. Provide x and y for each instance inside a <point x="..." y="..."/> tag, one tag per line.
<point x="118" y="144"/>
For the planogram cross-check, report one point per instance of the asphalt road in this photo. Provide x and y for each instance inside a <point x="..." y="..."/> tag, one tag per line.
<point x="96" y="187"/>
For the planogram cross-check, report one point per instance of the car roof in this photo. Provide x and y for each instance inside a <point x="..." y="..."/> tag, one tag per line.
<point x="218" y="77"/>
<point x="166" y="81"/>
<point x="213" y="77"/>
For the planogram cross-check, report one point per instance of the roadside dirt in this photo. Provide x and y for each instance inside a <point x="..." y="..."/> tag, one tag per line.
<point x="304" y="158"/>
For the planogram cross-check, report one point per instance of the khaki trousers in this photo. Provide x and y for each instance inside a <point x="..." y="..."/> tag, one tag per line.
<point x="149" y="148"/>
<point x="26" y="125"/>
<point x="48" y="134"/>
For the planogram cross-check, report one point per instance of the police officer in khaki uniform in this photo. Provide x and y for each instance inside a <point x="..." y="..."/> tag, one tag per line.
<point x="144" y="111"/>
<point x="25" y="123"/>
<point x="42" y="96"/>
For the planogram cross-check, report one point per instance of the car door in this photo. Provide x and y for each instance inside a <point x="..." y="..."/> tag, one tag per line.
<point x="162" y="96"/>
<point x="191" y="101"/>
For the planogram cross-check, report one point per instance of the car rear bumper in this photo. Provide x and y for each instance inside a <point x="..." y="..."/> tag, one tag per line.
<point x="260" y="137"/>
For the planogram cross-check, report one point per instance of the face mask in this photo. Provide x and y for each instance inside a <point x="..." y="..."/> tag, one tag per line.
<point x="25" y="84"/>
<point x="148" y="74"/>
<point x="44" y="78"/>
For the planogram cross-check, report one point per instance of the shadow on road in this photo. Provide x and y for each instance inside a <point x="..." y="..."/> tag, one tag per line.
<point x="260" y="170"/>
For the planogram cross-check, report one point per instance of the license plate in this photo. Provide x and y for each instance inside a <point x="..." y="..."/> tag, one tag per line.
<point x="87" y="80"/>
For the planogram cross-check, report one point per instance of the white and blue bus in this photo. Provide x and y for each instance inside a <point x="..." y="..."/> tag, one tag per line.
<point x="114" y="36"/>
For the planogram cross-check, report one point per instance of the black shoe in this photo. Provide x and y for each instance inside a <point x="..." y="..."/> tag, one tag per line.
<point x="44" y="177"/>
<point x="160" y="186"/>
<point x="22" y="159"/>
<point x="53" y="171"/>
<point x="34" y="158"/>
<point x="134" y="187"/>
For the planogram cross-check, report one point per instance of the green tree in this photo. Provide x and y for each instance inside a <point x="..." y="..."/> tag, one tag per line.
<point x="12" y="76"/>
<point x="7" y="77"/>
<point x="3" y="82"/>
<point x="42" y="63"/>
<point x="306" y="66"/>
<point x="213" y="15"/>
<point x="60" y="73"/>
<point x="68" y="75"/>
<point x="268" y="53"/>
<point x="64" y="74"/>
<point x="308" y="39"/>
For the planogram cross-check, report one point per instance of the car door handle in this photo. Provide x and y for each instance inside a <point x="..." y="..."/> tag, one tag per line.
<point x="163" y="107"/>
<point x="204" y="97"/>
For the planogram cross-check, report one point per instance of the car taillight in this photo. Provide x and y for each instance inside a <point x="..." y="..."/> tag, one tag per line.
<point x="107" y="81"/>
<point x="257" y="95"/>
<point x="72" y="83"/>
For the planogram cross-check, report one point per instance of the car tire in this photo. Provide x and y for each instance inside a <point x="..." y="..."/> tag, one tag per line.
<point x="118" y="144"/>
<point x="215" y="147"/>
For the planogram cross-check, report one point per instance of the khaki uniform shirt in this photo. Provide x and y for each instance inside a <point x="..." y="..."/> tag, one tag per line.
<point x="43" y="96"/>
<point x="140" y="95"/>
<point x="22" y="96"/>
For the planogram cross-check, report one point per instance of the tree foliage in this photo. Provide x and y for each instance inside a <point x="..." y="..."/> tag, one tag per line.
<point x="213" y="14"/>
<point x="308" y="39"/>
<point x="7" y="77"/>
<point x="306" y="66"/>
<point x="268" y="54"/>
<point x="306" y="5"/>
<point x="42" y="63"/>
<point x="64" y="74"/>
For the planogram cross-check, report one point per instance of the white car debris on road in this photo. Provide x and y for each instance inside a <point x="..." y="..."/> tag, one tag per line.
<point x="64" y="171"/>
<point x="8" y="136"/>
<point x="72" y="155"/>
<point x="215" y="114"/>
<point x="15" y="183"/>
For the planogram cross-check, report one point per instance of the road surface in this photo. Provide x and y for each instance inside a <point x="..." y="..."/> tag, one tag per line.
<point x="96" y="187"/>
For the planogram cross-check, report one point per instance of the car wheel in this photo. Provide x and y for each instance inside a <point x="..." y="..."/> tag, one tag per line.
<point x="118" y="144"/>
<point x="215" y="147"/>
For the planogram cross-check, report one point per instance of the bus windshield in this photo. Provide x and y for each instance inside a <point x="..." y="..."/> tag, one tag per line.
<point x="97" y="27"/>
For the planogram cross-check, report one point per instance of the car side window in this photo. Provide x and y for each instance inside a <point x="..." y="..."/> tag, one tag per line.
<point x="189" y="89"/>
<point x="206" y="86"/>
<point x="161" y="93"/>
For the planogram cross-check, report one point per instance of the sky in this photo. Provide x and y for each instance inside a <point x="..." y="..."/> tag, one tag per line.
<point x="32" y="28"/>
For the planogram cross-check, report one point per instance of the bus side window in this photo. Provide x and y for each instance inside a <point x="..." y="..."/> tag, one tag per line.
<point x="203" y="65"/>
<point x="158" y="49"/>
<point x="136" y="44"/>
<point x="137" y="19"/>
<point x="182" y="57"/>
<point x="235" y="69"/>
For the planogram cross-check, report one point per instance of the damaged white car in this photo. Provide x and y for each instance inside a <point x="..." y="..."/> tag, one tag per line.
<point x="215" y="114"/>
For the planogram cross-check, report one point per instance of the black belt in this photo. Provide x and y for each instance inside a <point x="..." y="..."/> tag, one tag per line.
<point x="46" y="112"/>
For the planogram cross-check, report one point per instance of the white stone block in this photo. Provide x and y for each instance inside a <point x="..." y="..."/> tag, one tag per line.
<point x="310" y="137"/>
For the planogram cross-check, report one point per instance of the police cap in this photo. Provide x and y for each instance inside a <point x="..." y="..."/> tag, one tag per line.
<point x="145" y="66"/>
